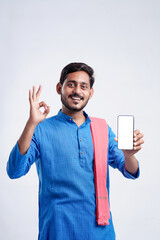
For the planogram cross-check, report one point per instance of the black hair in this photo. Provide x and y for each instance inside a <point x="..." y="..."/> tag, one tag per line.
<point x="74" y="67"/>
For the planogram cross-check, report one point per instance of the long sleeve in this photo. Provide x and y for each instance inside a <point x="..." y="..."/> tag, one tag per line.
<point x="18" y="164"/>
<point x="116" y="157"/>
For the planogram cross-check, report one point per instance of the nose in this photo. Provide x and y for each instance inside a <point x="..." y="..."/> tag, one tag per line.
<point x="77" y="89"/>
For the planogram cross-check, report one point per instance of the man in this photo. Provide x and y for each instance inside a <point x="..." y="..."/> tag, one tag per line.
<point x="62" y="148"/>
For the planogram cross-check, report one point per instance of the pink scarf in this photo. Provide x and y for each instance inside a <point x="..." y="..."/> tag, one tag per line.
<point x="99" y="130"/>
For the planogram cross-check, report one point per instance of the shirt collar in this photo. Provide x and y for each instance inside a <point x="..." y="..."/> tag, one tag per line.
<point x="70" y="119"/>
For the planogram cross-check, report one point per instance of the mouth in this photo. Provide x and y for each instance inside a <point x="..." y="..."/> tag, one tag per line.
<point x="76" y="98"/>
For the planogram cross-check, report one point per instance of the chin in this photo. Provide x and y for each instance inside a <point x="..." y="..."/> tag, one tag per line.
<point x="75" y="109"/>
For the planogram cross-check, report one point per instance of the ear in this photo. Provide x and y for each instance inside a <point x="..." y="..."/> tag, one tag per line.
<point x="58" y="88"/>
<point x="91" y="93"/>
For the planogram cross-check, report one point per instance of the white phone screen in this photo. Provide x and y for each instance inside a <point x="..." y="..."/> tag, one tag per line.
<point x="125" y="131"/>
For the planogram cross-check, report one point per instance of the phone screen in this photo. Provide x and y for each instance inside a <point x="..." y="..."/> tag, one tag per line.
<point x="125" y="131"/>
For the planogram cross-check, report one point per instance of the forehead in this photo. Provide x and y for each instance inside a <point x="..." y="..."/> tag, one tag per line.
<point x="79" y="76"/>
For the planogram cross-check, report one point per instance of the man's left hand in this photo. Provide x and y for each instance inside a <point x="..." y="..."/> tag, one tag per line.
<point x="137" y="142"/>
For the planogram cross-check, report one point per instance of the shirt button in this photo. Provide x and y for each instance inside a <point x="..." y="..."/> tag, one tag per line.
<point x="70" y="119"/>
<point x="80" y="139"/>
<point x="82" y="152"/>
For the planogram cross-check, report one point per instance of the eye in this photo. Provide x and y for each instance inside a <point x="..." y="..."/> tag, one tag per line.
<point x="70" y="84"/>
<point x="84" y="86"/>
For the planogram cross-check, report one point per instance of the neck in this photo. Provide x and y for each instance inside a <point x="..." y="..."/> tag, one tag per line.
<point x="78" y="117"/>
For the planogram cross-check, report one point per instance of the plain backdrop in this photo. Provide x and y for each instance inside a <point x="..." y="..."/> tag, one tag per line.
<point x="120" y="41"/>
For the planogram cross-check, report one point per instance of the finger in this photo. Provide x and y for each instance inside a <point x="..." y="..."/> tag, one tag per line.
<point x="34" y="93"/>
<point x="116" y="139"/>
<point x="47" y="110"/>
<point x="139" y="136"/>
<point x="30" y="96"/>
<point x="137" y="148"/>
<point x="136" y="132"/>
<point x="141" y="141"/>
<point x="42" y="104"/>
<point x="39" y="92"/>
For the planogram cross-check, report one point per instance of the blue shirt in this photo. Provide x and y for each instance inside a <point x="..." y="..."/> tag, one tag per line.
<point x="63" y="154"/>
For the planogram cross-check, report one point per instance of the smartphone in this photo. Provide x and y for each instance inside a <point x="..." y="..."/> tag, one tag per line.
<point x="125" y="131"/>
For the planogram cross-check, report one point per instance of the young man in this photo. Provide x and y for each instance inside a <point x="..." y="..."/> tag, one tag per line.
<point x="62" y="148"/>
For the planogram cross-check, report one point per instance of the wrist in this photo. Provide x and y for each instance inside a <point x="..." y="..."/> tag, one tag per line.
<point x="127" y="153"/>
<point x="129" y="158"/>
<point x="131" y="164"/>
<point x="32" y="123"/>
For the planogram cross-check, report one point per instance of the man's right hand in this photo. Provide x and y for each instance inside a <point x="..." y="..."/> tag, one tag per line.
<point x="36" y="116"/>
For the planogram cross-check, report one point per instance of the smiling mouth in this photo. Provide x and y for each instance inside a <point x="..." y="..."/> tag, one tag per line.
<point x="76" y="98"/>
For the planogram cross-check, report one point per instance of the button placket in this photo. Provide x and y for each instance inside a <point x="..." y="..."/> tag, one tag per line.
<point x="81" y="149"/>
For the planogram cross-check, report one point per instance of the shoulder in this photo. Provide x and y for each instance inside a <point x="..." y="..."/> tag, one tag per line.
<point x="46" y="124"/>
<point x="100" y="120"/>
<point x="48" y="121"/>
<point x="96" y="119"/>
<point x="111" y="134"/>
<point x="45" y="127"/>
<point x="103" y="123"/>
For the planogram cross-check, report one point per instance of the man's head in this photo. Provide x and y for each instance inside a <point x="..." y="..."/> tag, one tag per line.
<point x="76" y="86"/>
<point x="75" y="67"/>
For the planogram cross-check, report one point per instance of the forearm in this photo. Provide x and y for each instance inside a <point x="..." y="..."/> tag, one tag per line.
<point x="131" y="164"/>
<point x="26" y="137"/>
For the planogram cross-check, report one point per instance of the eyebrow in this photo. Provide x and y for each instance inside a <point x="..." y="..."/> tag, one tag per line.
<point x="76" y="82"/>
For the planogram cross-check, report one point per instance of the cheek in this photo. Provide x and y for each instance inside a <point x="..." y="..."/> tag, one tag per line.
<point x="87" y="95"/>
<point x="65" y="92"/>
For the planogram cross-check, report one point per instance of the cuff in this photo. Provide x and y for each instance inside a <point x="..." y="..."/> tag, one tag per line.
<point x="22" y="158"/>
<point x="130" y="175"/>
<point x="17" y="163"/>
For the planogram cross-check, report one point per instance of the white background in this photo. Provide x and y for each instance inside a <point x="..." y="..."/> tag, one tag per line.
<point x="121" y="41"/>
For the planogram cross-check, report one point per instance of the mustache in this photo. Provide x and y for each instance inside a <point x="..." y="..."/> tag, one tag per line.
<point x="76" y="95"/>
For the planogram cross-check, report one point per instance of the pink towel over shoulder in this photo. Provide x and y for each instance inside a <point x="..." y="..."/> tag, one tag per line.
<point x="99" y="130"/>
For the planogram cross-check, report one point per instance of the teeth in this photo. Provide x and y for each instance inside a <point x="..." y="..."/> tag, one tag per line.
<point x="76" y="98"/>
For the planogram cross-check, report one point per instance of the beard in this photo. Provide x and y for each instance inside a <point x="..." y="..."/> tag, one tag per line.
<point x="73" y="109"/>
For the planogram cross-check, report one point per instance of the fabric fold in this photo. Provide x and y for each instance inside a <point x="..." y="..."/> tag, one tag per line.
<point x="99" y="131"/>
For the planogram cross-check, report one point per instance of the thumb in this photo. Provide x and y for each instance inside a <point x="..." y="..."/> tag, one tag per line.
<point x="116" y="139"/>
<point x="47" y="110"/>
<point x="30" y="96"/>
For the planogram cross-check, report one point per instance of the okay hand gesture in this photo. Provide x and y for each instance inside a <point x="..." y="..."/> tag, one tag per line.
<point x="36" y="116"/>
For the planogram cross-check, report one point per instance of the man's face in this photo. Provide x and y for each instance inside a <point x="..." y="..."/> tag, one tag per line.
<point x="75" y="91"/>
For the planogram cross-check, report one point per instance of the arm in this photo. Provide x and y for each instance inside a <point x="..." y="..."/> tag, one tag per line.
<point x="26" y="137"/>
<point x="36" y="116"/>
<point x="131" y="163"/>
<point x="124" y="160"/>
<point x="26" y="150"/>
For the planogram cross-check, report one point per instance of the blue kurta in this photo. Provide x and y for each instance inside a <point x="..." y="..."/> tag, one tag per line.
<point x="63" y="154"/>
